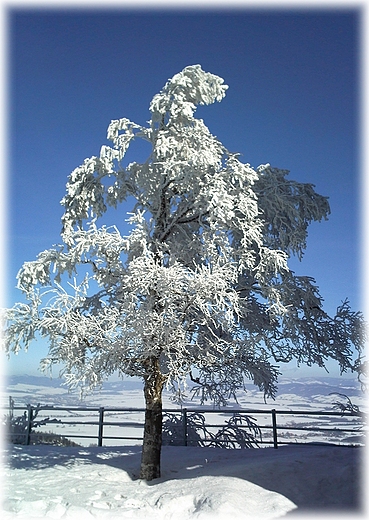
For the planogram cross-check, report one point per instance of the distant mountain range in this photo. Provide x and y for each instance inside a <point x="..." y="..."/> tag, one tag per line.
<point x="303" y="387"/>
<point x="59" y="383"/>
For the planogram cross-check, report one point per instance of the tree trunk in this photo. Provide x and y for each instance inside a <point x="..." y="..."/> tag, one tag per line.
<point x="151" y="448"/>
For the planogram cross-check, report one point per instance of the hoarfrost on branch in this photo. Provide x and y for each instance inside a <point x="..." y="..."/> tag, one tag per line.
<point x="200" y="288"/>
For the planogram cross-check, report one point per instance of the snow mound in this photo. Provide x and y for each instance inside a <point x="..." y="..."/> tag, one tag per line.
<point x="196" y="483"/>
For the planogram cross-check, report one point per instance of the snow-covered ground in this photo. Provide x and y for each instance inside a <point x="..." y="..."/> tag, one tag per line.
<point x="292" y="392"/>
<point x="304" y="394"/>
<point x="196" y="483"/>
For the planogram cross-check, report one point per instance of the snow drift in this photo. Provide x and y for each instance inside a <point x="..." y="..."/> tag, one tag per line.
<point x="196" y="483"/>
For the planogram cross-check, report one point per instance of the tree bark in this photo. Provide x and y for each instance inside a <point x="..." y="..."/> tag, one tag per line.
<point x="151" y="447"/>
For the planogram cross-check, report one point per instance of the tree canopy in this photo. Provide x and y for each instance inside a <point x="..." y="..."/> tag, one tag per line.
<point x="200" y="288"/>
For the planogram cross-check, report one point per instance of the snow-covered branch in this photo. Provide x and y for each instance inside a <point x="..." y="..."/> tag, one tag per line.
<point x="201" y="283"/>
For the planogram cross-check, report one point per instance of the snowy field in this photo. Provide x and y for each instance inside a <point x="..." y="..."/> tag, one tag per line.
<point x="305" y="394"/>
<point x="197" y="483"/>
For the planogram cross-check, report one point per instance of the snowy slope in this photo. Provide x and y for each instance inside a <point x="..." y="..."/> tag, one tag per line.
<point x="196" y="483"/>
<point x="293" y="394"/>
<point x="307" y="394"/>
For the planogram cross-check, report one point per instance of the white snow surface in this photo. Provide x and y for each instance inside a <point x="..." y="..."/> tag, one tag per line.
<point x="43" y="481"/>
<point x="57" y="482"/>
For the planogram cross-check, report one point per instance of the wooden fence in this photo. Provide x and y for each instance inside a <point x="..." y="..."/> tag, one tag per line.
<point x="336" y="428"/>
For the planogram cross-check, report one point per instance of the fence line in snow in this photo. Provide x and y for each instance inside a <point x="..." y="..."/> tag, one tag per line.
<point x="278" y="431"/>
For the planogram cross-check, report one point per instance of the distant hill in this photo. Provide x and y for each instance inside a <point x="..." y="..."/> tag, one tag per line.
<point x="43" y="389"/>
<point x="307" y="387"/>
<point x="43" y="381"/>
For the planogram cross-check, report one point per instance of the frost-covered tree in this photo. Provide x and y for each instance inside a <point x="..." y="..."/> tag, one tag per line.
<point x="200" y="289"/>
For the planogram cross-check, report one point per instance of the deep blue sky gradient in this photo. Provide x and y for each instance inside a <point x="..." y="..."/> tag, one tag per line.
<point x="293" y="101"/>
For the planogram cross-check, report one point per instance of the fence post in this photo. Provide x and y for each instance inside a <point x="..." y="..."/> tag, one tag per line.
<point x="101" y="426"/>
<point x="274" y="423"/>
<point x="11" y="408"/>
<point x="184" y="419"/>
<point x="29" y="424"/>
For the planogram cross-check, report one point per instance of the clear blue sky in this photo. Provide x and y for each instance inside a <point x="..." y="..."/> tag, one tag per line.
<point x="293" y="101"/>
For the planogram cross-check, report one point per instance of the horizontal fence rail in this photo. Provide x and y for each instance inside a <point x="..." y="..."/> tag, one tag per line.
<point x="187" y="426"/>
